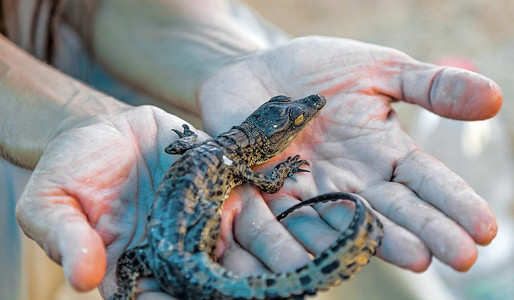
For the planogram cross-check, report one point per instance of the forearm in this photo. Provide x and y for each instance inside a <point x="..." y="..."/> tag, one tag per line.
<point x="38" y="102"/>
<point x="168" y="47"/>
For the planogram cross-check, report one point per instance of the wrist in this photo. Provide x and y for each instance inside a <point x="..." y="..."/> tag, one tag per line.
<point x="39" y="103"/>
<point x="167" y="48"/>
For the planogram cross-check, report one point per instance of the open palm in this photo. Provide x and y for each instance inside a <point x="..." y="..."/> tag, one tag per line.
<point x="355" y="145"/>
<point x="88" y="198"/>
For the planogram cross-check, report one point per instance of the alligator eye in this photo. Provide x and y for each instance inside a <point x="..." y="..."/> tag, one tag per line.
<point x="298" y="120"/>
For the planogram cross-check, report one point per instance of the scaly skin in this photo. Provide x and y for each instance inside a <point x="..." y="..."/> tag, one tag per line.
<point x="185" y="220"/>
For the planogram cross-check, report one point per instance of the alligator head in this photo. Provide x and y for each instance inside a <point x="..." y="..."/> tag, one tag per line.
<point x="281" y="119"/>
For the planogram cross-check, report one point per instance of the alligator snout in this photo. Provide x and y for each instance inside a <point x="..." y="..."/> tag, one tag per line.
<point x="318" y="101"/>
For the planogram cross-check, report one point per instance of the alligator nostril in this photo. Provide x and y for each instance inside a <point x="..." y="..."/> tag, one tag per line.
<point x="319" y="100"/>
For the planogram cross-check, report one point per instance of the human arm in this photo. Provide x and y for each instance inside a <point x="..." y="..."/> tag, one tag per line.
<point x="38" y="103"/>
<point x="166" y="48"/>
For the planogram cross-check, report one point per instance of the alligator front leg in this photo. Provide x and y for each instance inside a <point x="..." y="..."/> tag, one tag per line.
<point x="272" y="183"/>
<point x="186" y="141"/>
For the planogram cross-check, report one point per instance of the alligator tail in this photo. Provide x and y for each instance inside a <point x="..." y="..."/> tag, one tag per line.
<point x="340" y="261"/>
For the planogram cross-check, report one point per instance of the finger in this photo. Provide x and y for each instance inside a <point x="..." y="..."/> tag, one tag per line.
<point x="228" y="252"/>
<point x="399" y="246"/>
<point x="148" y="289"/>
<point x="447" y="91"/>
<point x="436" y="184"/>
<point x="402" y="248"/>
<point x="305" y="225"/>
<point x="239" y="260"/>
<point x="338" y="214"/>
<point x="445" y="239"/>
<point x="56" y="223"/>
<point x="257" y="230"/>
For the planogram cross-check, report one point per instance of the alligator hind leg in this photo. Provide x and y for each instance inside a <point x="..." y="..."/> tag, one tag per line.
<point x="186" y="141"/>
<point x="132" y="264"/>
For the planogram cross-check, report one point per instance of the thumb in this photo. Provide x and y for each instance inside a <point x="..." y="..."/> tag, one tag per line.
<point x="56" y="222"/>
<point x="447" y="91"/>
<point x="83" y="256"/>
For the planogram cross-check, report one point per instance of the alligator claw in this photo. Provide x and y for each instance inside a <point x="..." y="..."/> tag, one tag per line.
<point x="186" y="132"/>
<point x="179" y="133"/>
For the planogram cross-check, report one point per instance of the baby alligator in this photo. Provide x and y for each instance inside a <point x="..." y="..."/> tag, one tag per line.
<point x="185" y="220"/>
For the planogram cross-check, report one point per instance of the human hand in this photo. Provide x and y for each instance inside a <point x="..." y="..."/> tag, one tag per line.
<point x="88" y="198"/>
<point x="355" y="145"/>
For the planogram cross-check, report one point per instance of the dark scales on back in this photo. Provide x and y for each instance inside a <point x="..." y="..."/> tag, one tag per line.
<point x="185" y="220"/>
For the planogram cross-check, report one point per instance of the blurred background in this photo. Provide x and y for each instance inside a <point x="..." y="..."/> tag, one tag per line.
<point x="475" y="34"/>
